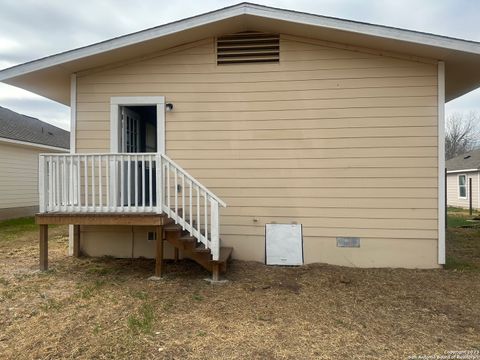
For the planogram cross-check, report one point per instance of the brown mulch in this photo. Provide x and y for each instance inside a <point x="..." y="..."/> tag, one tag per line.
<point x="106" y="308"/>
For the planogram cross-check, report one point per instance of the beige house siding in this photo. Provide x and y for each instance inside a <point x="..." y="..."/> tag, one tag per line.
<point x="340" y="140"/>
<point x="18" y="180"/>
<point x="453" y="198"/>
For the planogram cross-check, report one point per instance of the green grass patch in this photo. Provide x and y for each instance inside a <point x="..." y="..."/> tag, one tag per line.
<point x="197" y="297"/>
<point x="454" y="263"/>
<point x="52" y="304"/>
<point x="463" y="247"/>
<point x="100" y="270"/>
<point x="456" y="221"/>
<point x="89" y="290"/>
<point x="142" y="322"/>
<point x="97" y="329"/>
<point x="142" y="295"/>
<point x="11" y="228"/>
<point x="452" y="209"/>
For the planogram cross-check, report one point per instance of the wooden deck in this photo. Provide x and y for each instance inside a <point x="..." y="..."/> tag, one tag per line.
<point x="142" y="219"/>
<point x="57" y="218"/>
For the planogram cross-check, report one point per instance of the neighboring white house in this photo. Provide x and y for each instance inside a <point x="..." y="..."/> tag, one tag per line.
<point x="22" y="138"/>
<point x="460" y="170"/>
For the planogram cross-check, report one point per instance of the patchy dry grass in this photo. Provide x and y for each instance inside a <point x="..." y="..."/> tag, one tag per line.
<point x="106" y="308"/>
<point x="463" y="240"/>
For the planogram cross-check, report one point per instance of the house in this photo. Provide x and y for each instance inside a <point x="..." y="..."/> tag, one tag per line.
<point x="234" y="121"/>
<point x="22" y="139"/>
<point x="461" y="171"/>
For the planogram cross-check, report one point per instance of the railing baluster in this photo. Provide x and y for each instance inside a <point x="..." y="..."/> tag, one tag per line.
<point x="164" y="185"/>
<point x="70" y="188"/>
<point x="150" y="180"/>
<point x="79" y="184"/>
<point x="56" y="186"/>
<point x="184" y="211"/>
<point x="198" y="213"/>
<point x="190" y="209"/>
<point x="50" y="183"/>
<point x="175" y="191"/>
<point x="93" y="182"/>
<point x="143" y="182"/>
<point x="129" y="182"/>
<point x="206" y="218"/>
<point x="158" y="184"/>
<point x="115" y="183"/>
<point x="136" y="182"/>
<point x="100" y="183"/>
<point x="107" y="181"/>
<point x="85" y="177"/>
<point x="168" y="190"/>
<point x="64" y="185"/>
<point x="214" y="232"/>
<point x="122" y="183"/>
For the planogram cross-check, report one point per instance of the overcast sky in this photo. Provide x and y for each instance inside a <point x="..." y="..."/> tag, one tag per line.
<point x="30" y="29"/>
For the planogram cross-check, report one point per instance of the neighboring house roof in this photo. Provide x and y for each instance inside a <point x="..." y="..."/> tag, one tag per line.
<point x="51" y="76"/>
<point x="469" y="161"/>
<point x="18" y="127"/>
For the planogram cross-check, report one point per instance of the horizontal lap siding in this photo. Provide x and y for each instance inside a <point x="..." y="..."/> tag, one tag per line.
<point x="453" y="198"/>
<point x="341" y="141"/>
<point x="18" y="176"/>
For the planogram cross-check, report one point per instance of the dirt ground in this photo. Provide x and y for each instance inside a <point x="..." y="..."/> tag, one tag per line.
<point x="106" y="308"/>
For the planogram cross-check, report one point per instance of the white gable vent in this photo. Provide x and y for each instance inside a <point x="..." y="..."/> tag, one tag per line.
<point x="248" y="47"/>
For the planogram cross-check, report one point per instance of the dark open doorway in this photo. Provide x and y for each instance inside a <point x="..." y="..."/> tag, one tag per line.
<point x="139" y="129"/>
<point x="139" y="135"/>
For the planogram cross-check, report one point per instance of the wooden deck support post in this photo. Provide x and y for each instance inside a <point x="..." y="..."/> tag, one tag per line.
<point x="175" y="254"/>
<point x="159" y="252"/>
<point x="76" y="240"/>
<point x="43" y="247"/>
<point x="215" y="271"/>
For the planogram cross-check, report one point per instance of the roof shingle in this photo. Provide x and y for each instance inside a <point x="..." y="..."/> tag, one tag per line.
<point x="20" y="127"/>
<point x="470" y="160"/>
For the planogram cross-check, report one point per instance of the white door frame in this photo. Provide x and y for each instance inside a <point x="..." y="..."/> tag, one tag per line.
<point x="117" y="101"/>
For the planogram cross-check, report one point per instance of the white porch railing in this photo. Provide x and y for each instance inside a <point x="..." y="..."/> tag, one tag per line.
<point x="130" y="183"/>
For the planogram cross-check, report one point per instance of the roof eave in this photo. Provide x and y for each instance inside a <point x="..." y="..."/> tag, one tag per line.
<point x="461" y="171"/>
<point x="65" y="63"/>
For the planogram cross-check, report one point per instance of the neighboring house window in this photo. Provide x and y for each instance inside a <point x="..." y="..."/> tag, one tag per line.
<point x="462" y="186"/>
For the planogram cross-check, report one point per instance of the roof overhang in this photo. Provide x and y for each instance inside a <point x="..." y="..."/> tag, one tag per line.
<point x="461" y="171"/>
<point x="50" y="76"/>
<point x="31" y="144"/>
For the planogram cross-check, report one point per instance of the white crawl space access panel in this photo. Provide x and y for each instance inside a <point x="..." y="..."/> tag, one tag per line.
<point x="283" y="244"/>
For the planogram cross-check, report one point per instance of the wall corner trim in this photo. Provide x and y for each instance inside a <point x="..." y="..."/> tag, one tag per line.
<point x="441" y="162"/>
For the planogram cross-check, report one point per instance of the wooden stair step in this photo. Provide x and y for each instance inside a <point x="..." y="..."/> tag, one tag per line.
<point x="201" y="249"/>
<point x="172" y="227"/>
<point x="188" y="238"/>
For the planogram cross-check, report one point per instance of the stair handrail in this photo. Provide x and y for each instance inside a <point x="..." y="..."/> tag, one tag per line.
<point x="210" y="237"/>
<point x="195" y="181"/>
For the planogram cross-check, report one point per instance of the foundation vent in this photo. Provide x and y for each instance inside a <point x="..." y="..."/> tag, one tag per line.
<point x="248" y="47"/>
<point x="348" y="242"/>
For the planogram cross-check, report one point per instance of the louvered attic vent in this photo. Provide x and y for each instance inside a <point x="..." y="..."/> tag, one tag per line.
<point x="247" y="48"/>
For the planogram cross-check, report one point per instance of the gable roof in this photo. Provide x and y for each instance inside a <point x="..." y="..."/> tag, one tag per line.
<point x="469" y="161"/>
<point x="15" y="126"/>
<point x="50" y="76"/>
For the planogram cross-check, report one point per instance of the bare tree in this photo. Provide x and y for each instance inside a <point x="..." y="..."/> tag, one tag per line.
<point x="462" y="133"/>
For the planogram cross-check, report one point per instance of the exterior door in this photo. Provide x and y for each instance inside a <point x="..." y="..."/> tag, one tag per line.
<point x="130" y="142"/>
<point x="130" y="131"/>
